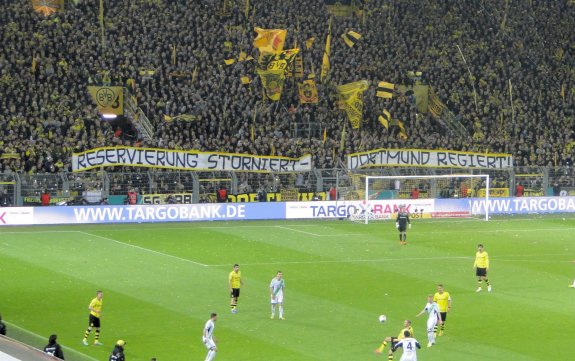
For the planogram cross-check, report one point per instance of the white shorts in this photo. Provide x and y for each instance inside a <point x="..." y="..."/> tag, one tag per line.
<point x="279" y="298"/>
<point x="210" y="344"/>
<point x="431" y="322"/>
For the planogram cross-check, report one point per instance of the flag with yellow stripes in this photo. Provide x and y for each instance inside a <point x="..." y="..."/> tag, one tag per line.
<point x="351" y="100"/>
<point x="270" y="40"/>
<point x="436" y="106"/>
<point x="308" y="92"/>
<point x="384" y="90"/>
<point x="350" y="38"/>
<point x="385" y="119"/>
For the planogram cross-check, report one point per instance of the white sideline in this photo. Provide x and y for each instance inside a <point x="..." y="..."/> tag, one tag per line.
<point x="40" y="337"/>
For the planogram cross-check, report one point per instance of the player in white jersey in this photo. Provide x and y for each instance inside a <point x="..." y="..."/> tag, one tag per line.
<point x="208" y="337"/>
<point x="434" y="317"/>
<point x="277" y="286"/>
<point x="409" y="345"/>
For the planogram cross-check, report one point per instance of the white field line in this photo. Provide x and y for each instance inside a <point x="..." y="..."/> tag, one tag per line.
<point x="378" y="260"/>
<point x="310" y="233"/>
<point x="40" y="337"/>
<point x="144" y="249"/>
<point x="321" y="235"/>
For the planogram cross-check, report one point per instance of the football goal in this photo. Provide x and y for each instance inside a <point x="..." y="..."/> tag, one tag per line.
<point x="425" y="196"/>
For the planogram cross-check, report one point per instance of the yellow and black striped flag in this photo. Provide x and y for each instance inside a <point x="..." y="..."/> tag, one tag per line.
<point x="384" y="90"/>
<point x="385" y="119"/>
<point x="350" y="38"/>
<point x="436" y="106"/>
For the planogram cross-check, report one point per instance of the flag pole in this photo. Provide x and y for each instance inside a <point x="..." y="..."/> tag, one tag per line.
<point x="511" y="100"/>
<point x="470" y="75"/>
<point x="102" y="28"/>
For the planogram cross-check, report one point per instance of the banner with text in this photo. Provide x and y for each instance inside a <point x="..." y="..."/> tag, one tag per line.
<point x="186" y="160"/>
<point x="428" y="158"/>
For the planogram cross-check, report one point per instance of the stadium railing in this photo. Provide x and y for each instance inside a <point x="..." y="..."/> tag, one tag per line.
<point x="156" y="186"/>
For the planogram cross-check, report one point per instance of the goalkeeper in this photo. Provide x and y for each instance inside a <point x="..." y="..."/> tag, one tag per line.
<point x="401" y="223"/>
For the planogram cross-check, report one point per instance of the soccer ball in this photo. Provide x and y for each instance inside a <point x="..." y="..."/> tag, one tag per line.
<point x="382" y="318"/>
<point x="234" y="310"/>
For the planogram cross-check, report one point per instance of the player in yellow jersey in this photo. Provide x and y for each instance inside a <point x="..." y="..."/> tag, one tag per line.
<point x="95" y="308"/>
<point x="235" y="282"/>
<point x="481" y="266"/>
<point x="406" y="327"/>
<point x="443" y="300"/>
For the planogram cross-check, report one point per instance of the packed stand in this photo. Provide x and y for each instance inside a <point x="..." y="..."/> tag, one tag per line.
<point x="46" y="64"/>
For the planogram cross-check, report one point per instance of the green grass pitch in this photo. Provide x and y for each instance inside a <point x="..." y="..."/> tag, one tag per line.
<point x="161" y="281"/>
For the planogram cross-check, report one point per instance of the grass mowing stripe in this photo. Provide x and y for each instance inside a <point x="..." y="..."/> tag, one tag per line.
<point x="144" y="249"/>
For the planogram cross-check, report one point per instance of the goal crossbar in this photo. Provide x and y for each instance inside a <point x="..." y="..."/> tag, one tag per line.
<point x="443" y="176"/>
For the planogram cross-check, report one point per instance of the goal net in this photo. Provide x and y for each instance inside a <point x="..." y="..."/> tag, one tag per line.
<point x="425" y="196"/>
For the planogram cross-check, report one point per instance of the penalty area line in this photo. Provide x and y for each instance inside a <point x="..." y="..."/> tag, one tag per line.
<point x="144" y="249"/>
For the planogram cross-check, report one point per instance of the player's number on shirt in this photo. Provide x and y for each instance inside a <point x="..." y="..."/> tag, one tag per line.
<point x="409" y="346"/>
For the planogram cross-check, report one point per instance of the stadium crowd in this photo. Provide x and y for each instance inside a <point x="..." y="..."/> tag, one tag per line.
<point x="514" y="92"/>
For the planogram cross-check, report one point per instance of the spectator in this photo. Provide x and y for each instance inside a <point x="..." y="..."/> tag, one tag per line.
<point x="2" y="327"/>
<point x="556" y="189"/>
<point x="222" y="194"/>
<point x="118" y="351"/>
<point x="53" y="348"/>
<point x="132" y="197"/>
<point x="45" y="198"/>
<point x="332" y="193"/>
<point x="519" y="190"/>
<point x="415" y="193"/>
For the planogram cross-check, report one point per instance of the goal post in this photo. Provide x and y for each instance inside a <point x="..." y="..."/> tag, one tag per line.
<point x="427" y="191"/>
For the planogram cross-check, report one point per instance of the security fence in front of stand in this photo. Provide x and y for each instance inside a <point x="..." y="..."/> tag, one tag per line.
<point x="154" y="186"/>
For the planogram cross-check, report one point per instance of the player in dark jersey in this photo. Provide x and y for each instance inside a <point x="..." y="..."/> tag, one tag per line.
<point x="401" y="223"/>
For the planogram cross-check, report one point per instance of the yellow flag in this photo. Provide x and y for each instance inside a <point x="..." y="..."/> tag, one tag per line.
<point x="242" y="56"/>
<point x="325" y="65"/>
<point x="351" y="38"/>
<point x="351" y="100"/>
<point x="109" y="99"/>
<point x="245" y="80"/>
<point x="324" y="134"/>
<point x="168" y="118"/>
<point x="174" y="54"/>
<point x="385" y="119"/>
<point x="270" y="40"/>
<point x="280" y="61"/>
<point x="272" y="82"/>
<point x="308" y="92"/>
<point x="229" y="61"/>
<point x="435" y="105"/>
<point x="194" y="74"/>
<point x="247" y="9"/>
<point x="563" y="91"/>
<point x="309" y="42"/>
<point x="384" y="90"/>
<point x="34" y="61"/>
<point x="252" y="133"/>
<point x="273" y="150"/>
<point x="342" y="140"/>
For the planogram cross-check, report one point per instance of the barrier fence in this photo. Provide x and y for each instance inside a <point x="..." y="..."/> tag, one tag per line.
<point x="155" y="186"/>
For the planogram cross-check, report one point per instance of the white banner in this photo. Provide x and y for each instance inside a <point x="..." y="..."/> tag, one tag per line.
<point x="186" y="160"/>
<point x="428" y="158"/>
